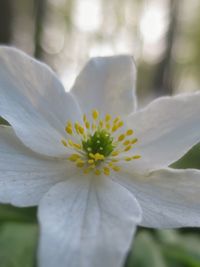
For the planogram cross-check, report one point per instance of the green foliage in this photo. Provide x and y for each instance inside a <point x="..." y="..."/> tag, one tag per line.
<point x="2" y="121"/>
<point x="146" y="252"/>
<point x="164" y="248"/>
<point x="9" y="213"/>
<point x="190" y="160"/>
<point x="18" y="244"/>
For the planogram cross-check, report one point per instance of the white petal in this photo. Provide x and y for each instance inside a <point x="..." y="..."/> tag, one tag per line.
<point x="24" y="175"/>
<point x="168" y="197"/>
<point x="34" y="102"/>
<point x="107" y="84"/>
<point x="87" y="222"/>
<point x="166" y="129"/>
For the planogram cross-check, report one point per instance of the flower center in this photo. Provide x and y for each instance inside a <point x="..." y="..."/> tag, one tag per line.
<point x="101" y="141"/>
<point x="100" y="149"/>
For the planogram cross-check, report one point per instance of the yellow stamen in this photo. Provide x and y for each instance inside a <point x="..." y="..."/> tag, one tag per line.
<point x="127" y="142"/>
<point x="116" y="168"/>
<point x="90" y="161"/>
<point x="84" y="118"/>
<point x="116" y="119"/>
<point x="129" y="132"/>
<point x="76" y="126"/>
<point x="127" y="148"/>
<point x="64" y="142"/>
<point x="108" y="126"/>
<point x="101" y="123"/>
<point x="110" y="164"/>
<point x="134" y="141"/>
<point x="81" y="129"/>
<point x="120" y="124"/>
<point x="106" y="171"/>
<point x="87" y="125"/>
<point x="69" y="124"/>
<point x="86" y="171"/>
<point x="128" y="159"/>
<point x="97" y="172"/>
<point x="114" y="128"/>
<point x="69" y="130"/>
<point x="70" y="142"/>
<point x="91" y="155"/>
<point x="107" y="117"/>
<point x="115" y="160"/>
<point x="74" y="157"/>
<point x="80" y="163"/>
<point x="78" y="146"/>
<point x="136" y="157"/>
<point x="95" y="114"/>
<point x="115" y="153"/>
<point x="121" y="137"/>
<point x="94" y="126"/>
<point x="98" y="156"/>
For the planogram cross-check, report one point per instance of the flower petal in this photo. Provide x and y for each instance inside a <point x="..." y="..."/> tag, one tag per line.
<point x="166" y="129"/>
<point x="24" y="175"/>
<point x="168" y="198"/>
<point x="107" y="84"/>
<point x="34" y="102"/>
<point x="87" y="222"/>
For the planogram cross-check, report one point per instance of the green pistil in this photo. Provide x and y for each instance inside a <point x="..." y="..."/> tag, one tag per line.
<point x="100" y="142"/>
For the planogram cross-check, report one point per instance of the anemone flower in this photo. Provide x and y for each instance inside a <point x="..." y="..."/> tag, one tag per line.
<point x="95" y="166"/>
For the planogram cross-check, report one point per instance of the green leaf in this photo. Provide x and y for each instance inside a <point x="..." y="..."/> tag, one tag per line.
<point x="14" y="214"/>
<point x="189" y="160"/>
<point x="4" y="122"/>
<point x="179" y="249"/>
<point x="18" y="245"/>
<point x="145" y="253"/>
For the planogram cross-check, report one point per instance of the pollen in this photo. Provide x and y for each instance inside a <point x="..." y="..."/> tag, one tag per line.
<point x="95" y="114"/>
<point x="96" y="146"/>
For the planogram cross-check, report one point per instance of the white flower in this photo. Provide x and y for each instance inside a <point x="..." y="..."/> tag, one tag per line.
<point x="94" y="175"/>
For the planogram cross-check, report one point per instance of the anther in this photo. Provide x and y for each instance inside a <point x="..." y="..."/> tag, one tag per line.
<point x="90" y="161"/>
<point x="121" y="137"/>
<point x="64" y="142"/>
<point x="69" y="130"/>
<point x="106" y="171"/>
<point x="87" y="125"/>
<point x="108" y="126"/>
<point x="128" y="158"/>
<point x="74" y="157"/>
<point x="116" y="168"/>
<point x="127" y="148"/>
<point x="136" y="157"/>
<point x="116" y="119"/>
<point x="101" y="124"/>
<point x="97" y="172"/>
<point x="129" y="132"/>
<point x="120" y="124"/>
<point x="80" y="164"/>
<point x="107" y="117"/>
<point x="114" y="128"/>
<point x="78" y="146"/>
<point x="134" y="141"/>
<point x="127" y="142"/>
<point x="95" y="114"/>
<point x="84" y="118"/>
<point x="115" y="153"/>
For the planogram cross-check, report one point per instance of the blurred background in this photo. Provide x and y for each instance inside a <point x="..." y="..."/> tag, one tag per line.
<point x="164" y="38"/>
